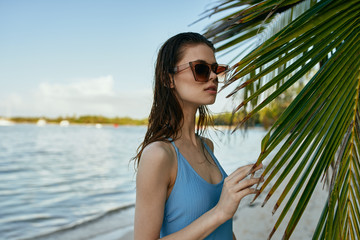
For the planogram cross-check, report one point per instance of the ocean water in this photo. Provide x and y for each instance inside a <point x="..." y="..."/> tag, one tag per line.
<point x="53" y="177"/>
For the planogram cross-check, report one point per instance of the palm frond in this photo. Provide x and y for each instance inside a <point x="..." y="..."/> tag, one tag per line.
<point x="322" y="124"/>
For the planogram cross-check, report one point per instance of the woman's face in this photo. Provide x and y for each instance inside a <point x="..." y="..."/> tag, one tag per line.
<point x="186" y="88"/>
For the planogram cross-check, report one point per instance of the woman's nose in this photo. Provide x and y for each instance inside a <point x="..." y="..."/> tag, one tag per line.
<point x="213" y="76"/>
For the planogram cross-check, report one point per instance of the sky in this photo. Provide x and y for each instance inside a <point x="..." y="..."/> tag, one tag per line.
<point x="80" y="57"/>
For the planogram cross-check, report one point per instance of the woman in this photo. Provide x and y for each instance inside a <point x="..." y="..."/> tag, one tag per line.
<point x="182" y="192"/>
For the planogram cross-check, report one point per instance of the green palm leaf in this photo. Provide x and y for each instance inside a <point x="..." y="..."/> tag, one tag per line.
<point x="321" y="127"/>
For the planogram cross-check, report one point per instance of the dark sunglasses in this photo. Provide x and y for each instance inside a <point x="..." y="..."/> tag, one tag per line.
<point x="201" y="70"/>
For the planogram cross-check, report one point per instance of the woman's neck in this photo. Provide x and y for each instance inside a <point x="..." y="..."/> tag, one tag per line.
<point x="187" y="131"/>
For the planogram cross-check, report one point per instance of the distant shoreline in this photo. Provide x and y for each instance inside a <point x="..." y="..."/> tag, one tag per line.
<point x="100" y="125"/>
<point x="223" y="120"/>
<point x="136" y="123"/>
<point x="80" y="124"/>
<point x="83" y="120"/>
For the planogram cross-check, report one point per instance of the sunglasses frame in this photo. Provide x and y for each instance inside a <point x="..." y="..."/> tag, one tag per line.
<point x="192" y="65"/>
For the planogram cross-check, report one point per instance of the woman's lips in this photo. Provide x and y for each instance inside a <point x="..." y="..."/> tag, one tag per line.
<point x="211" y="89"/>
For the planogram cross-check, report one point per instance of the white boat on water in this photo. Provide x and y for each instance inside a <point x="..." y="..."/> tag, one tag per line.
<point x="5" y="122"/>
<point x="64" y="123"/>
<point x="41" y="122"/>
<point x="98" y="125"/>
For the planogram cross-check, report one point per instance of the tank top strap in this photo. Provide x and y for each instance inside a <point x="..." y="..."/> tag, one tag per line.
<point x="206" y="146"/>
<point x="176" y="149"/>
<point x="210" y="152"/>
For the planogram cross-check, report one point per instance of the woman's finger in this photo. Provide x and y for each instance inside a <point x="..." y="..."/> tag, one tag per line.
<point x="239" y="173"/>
<point x="246" y="192"/>
<point x="255" y="168"/>
<point x="246" y="184"/>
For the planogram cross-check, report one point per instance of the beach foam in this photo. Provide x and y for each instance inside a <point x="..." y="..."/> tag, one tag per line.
<point x="110" y="226"/>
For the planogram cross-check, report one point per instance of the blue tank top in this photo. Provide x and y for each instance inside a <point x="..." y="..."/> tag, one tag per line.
<point x="191" y="197"/>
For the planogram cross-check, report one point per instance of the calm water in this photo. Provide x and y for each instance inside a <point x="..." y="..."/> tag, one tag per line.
<point x="52" y="176"/>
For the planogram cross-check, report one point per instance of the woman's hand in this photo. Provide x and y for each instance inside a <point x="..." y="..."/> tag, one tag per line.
<point x="234" y="189"/>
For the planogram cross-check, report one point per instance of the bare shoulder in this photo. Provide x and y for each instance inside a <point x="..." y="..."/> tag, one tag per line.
<point x="209" y="143"/>
<point x="152" y="182"/>
<point x="158" y="154"/>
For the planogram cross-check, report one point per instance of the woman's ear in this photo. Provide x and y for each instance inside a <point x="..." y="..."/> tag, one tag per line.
<point x="172" y="82"/>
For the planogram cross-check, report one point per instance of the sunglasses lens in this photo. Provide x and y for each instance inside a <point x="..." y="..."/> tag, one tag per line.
<point x="221" y="69"/>
<point x="221" y="72"/>
<point x="202" y="72"/>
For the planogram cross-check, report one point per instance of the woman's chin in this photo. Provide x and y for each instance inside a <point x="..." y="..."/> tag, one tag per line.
<point x="210" y="102"/>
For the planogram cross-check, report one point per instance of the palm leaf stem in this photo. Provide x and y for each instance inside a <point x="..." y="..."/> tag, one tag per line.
<point x="353" y="212"/>
<point x="317" y="128"/>
<point x="315" y="58"/>
<point x="321" y="127"/>
<point x="303" y="95"/>
<point x="288" y="33"/>
<point x="329" y="229"/>
<point x="350" y="145"/>
<point x="325" y="158"/>
<point x="309" y="167"/>
<point x="302" y="130"/>
<point x="330" y="29"/>
<point x="243" y="19"/>
<point x="321" y="223"/>
<point x="311" y="17"/>
<point x="300" y="126"/>
<point x="248" y="34"/>
<point x="343" y="200"/>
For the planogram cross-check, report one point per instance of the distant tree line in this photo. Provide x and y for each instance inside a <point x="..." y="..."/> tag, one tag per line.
<point x="87" y="119"/>
<point x="266" y="117"/>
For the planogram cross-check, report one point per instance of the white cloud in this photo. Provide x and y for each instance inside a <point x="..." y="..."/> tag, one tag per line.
<point x="86" y="96"/>
<point x="102" y="86"/>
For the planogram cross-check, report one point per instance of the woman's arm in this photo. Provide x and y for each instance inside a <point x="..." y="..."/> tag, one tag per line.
<point x="153" y="179"/>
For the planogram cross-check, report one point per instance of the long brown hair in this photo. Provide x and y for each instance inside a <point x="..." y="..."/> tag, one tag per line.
<point x="166" y="115"/>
